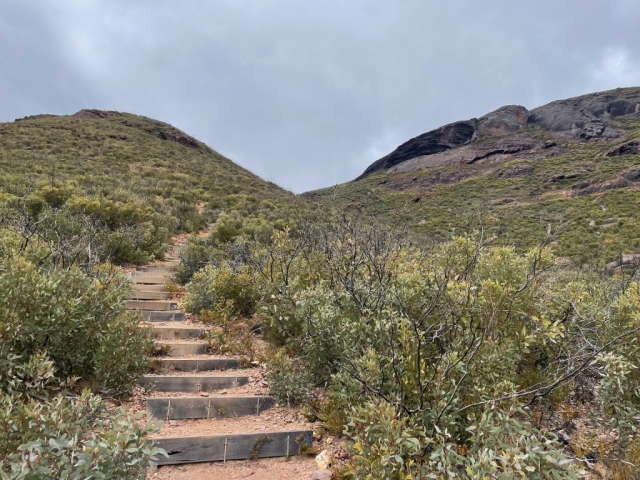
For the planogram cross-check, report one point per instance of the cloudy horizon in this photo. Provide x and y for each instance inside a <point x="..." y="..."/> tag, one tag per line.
<point x="308" y="94"/>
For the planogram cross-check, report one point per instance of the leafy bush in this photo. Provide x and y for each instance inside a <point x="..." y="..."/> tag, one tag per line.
<point x="79" y="320"/>
<point x="213" y="287"/>
<point x="287" y="379"/>
<point x="48" y="433"/>
<point x="453" y="342"/>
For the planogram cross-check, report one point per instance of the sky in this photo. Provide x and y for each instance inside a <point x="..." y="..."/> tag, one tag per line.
<point x="308" y="93"/>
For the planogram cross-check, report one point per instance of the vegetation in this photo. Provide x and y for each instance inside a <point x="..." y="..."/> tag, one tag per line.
<point x="64" y="337"/>
<point x="124" y="184"/>
<point x="444" y="340"/>
<point x="583" y="199"/>
<point x="462" y="359"/>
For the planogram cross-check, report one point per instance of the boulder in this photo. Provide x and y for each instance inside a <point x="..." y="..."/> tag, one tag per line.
<point x="503" y="121"/>
<point x="324" y="460"/>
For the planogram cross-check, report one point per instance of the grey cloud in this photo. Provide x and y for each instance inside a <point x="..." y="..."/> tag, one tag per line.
<point x="303" y="93"/>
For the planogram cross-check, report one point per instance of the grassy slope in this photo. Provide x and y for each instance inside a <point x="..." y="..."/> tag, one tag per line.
<point x="124" y="157"/>
<point x="594" y="227"/>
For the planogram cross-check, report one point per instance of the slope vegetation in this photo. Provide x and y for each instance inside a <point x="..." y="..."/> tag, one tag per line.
<point x="567" y="173"/>
<point x="138" y="178"/>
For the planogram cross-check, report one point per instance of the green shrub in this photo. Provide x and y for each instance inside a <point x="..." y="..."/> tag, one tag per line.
<point x="79" y="320"/>
<point x="288" y="379"/>
<point x="213" y="287"/>
<point x="48" y="433"/>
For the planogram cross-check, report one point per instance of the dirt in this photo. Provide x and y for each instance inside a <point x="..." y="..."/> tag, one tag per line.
<point x="262" y="469"/>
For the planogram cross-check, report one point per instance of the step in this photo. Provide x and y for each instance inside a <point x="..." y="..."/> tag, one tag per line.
<point x="181" y="349"/>
<point x="165" y="316"/>
<point x="150" y="279"/>
<point x="176" y="408"/>
<point x="145" y="295"/>
<point x="151" y="305"/>
<point x="219" y="448"/>
<point x="198" y="364"/>
<point x="160" y="269"/>
<point x="191" y="384"/>
<point x="141" y="287"/>
<point x="170" y="333"/>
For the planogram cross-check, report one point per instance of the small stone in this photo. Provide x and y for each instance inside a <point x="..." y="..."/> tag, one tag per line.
<point x="330" y="440"/>
<point x="173" y="423"/>
<point x="322" y="475"/>
<point x="222" y="392"/>
<point x="204" y="394"/>
<point x="324" y="460"/>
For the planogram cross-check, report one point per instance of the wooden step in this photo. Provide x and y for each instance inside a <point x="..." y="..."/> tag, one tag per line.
<point x="197" y="364"/>
<point x="176" y="408"/>
<point x="141" y="287"/>
<point x="165" y="316"/>
<point x="145" y="295"/>
<point x="150" y="279"/>
<point x="181" y="349"/>
<point x="191" y="383"/>
<point x="151" y="305"/>
<point x="159" y="269"/>
<point x="154" y="273"/>
<point x="220" y="448"/>
<point x="170" y="333"/>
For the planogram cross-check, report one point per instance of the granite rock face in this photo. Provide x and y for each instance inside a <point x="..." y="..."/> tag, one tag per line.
<point x="508" y="133"/>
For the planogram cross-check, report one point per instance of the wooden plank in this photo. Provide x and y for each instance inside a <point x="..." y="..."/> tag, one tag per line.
<point x="198" y="364"/>
<point x="181" y="349"/>
<point x="176" y="408"/>
<point x="219" y="448"/>
<point x="191" y="384"/>
<point x="157" y="305"/>
<point x="170" y="333"/>
<point x="137" y="287"/>
<point x="160" y="269"/>
<point x="151" y="279"/>
<point x="166" y="316"/>
<point x="149" y="295"/>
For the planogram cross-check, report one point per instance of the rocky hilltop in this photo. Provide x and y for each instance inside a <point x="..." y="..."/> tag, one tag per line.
<point x="515" y="132"/>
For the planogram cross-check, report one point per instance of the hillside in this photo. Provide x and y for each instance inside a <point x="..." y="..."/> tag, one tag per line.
<point x="124" y="171"/>
<point x="568" y="171"/>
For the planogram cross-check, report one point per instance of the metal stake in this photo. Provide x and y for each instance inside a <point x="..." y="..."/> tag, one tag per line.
<point x="209" y="410"/>
<point x="168" y="410"/>
<point x="224" y="458"/>
<point x="287" y="445"/>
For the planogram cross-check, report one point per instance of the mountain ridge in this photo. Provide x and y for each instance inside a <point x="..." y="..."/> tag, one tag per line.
<point x="587" y="117"/>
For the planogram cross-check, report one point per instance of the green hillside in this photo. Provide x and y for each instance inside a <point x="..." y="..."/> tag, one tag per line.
<point x="586" y="199"/>
<point x="137" y="178"/>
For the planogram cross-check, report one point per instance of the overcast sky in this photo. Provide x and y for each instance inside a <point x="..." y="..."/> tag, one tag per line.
<point x="308" y="93"/>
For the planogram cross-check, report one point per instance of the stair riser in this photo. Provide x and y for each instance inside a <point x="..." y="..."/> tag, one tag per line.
<point x="151" y="305"/>
<point x="178" y="408"/>
<point x="182" y="349"/>
<point x="196" y="365"/>
<point x="172" y="316"/>
<point x="141" y="287"/>
<point x="231" y="447"/>
<point x="150" y="279"/>
<point x="137" y="295"/>
<point x="192" y="384"/>
<point x="162" y="333"/>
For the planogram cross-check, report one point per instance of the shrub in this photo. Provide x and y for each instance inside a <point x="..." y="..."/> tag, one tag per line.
<point x="47" y="433"/>
<point x="213" y="287"/>
<point x="79" y="320"/>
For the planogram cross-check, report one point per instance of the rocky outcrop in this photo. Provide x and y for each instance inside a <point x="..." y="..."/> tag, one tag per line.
<point x="158" y="129"/>
<point x="588" y="116"/>
<point x="436" y="141"/>
<point x="508" y="133"/>
<point x="503" y="121"/>
<point x="629" y="148"/>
